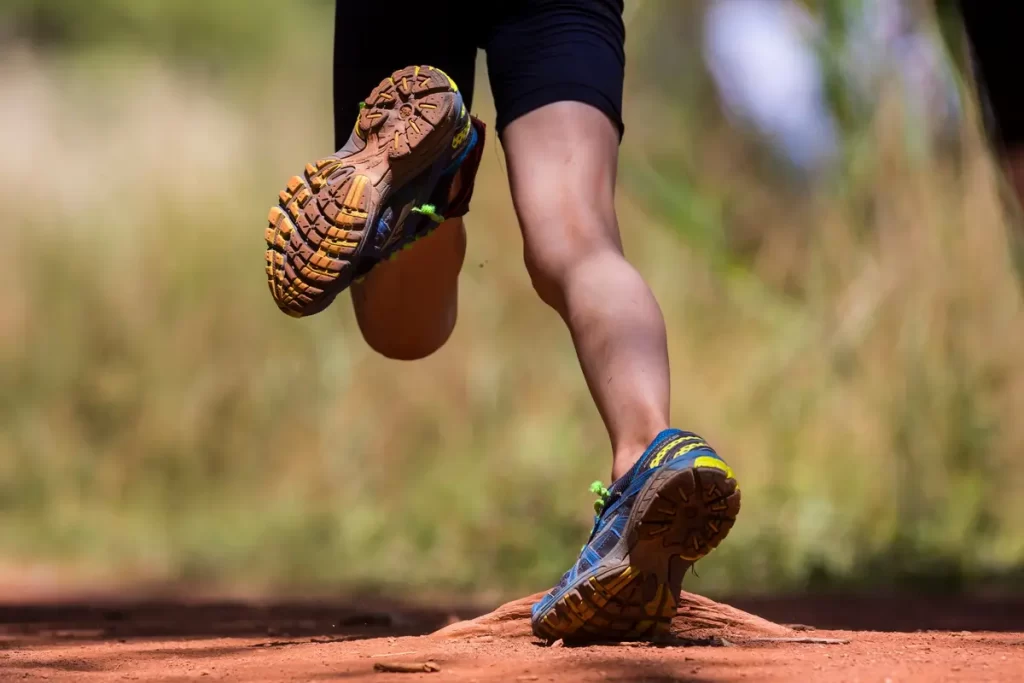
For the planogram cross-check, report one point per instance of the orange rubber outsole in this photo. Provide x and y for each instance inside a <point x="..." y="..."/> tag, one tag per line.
<point x="319" y="227"/>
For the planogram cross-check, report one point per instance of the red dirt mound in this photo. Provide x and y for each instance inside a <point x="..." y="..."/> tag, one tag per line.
<point x="696" y="619"/>
<point x="335" y="641"/>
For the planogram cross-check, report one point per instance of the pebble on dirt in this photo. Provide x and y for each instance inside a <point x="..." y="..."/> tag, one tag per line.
<point x="406" y="667"/>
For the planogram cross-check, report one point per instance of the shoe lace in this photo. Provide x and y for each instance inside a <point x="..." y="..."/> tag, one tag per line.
<point x="604" y="499"/>
<point x="603" y="496"/>
<point x="430" y="211"/>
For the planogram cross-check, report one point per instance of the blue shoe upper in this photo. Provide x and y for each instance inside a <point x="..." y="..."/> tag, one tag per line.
<point x="416" y="208"/>
<point x="671" y="446"/>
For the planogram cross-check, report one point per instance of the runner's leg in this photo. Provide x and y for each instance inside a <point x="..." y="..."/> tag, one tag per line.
<point x="556" y="73"/>
<point x="406" y="308"/>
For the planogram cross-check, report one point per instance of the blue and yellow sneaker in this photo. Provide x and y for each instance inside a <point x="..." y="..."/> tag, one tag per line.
<point x="671" y="509"/>
<point x="387" y="187"/>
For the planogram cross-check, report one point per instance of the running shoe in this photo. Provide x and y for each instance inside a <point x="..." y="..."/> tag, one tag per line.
<point x="671" y="509"/>
<point x="387" y="187"/>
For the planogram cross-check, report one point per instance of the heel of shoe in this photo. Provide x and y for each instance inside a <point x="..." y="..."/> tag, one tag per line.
<point x="406" y="110"/>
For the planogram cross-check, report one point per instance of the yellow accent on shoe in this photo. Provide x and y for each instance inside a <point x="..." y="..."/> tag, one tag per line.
<point x="461" y="136"/>
<point x="696" y="442"/>
<point x="651" y="607"/>
<point x="659" y="457"/>
<point x="689" y="447"/>
<point x="663" y="451"/>
<point x="355" y="193"/>
<point x="619" y="582"/>
<point x="714" y="463"/>
<point x="450" y="81"/>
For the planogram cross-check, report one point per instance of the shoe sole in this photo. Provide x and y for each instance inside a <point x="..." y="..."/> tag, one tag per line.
<point x="679" y="517"/>
<point x="319" y="229"/>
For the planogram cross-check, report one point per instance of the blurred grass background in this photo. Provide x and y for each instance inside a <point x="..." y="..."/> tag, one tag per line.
<point x="850" y="342"/>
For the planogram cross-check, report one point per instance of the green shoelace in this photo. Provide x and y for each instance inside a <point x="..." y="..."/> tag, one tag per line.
<point x="603" y="494"/>
<point x="430" y="211"/>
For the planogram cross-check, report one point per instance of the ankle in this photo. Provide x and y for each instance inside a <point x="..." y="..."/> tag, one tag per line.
<point x="622" y="462"/>
<point x="624" y="459"/>
<point x="626" y="455"/>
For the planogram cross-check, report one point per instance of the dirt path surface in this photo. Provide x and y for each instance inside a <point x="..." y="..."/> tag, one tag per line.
<point x="116" y="640"/>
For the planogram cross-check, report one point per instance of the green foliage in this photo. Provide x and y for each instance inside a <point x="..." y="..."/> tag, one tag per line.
<point x="225" y="33"/>
<point x="853" y="355"/>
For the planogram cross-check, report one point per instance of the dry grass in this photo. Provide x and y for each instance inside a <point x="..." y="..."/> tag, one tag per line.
<point x="159" y="419"/>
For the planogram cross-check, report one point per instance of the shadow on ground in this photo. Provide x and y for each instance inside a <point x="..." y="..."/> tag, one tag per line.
<point x="342" y="620"/>
<point x="904" y="613"/>
<point x="327" y="620"/>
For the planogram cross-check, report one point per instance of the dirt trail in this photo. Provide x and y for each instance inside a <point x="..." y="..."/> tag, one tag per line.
<point x="116" y="640"/>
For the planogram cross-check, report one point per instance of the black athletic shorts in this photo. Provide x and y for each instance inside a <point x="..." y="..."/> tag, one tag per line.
<point x="538" y="51"/>
<point x="995" y="29"/>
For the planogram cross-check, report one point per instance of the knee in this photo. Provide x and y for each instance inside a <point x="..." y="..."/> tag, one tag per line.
<point x="407" y="334"/>
<point x="409" y="348"/>
<point x="411" y="330"/>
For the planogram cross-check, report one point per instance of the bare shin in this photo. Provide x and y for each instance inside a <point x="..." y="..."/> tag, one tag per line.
<point x="562" y="160"/>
